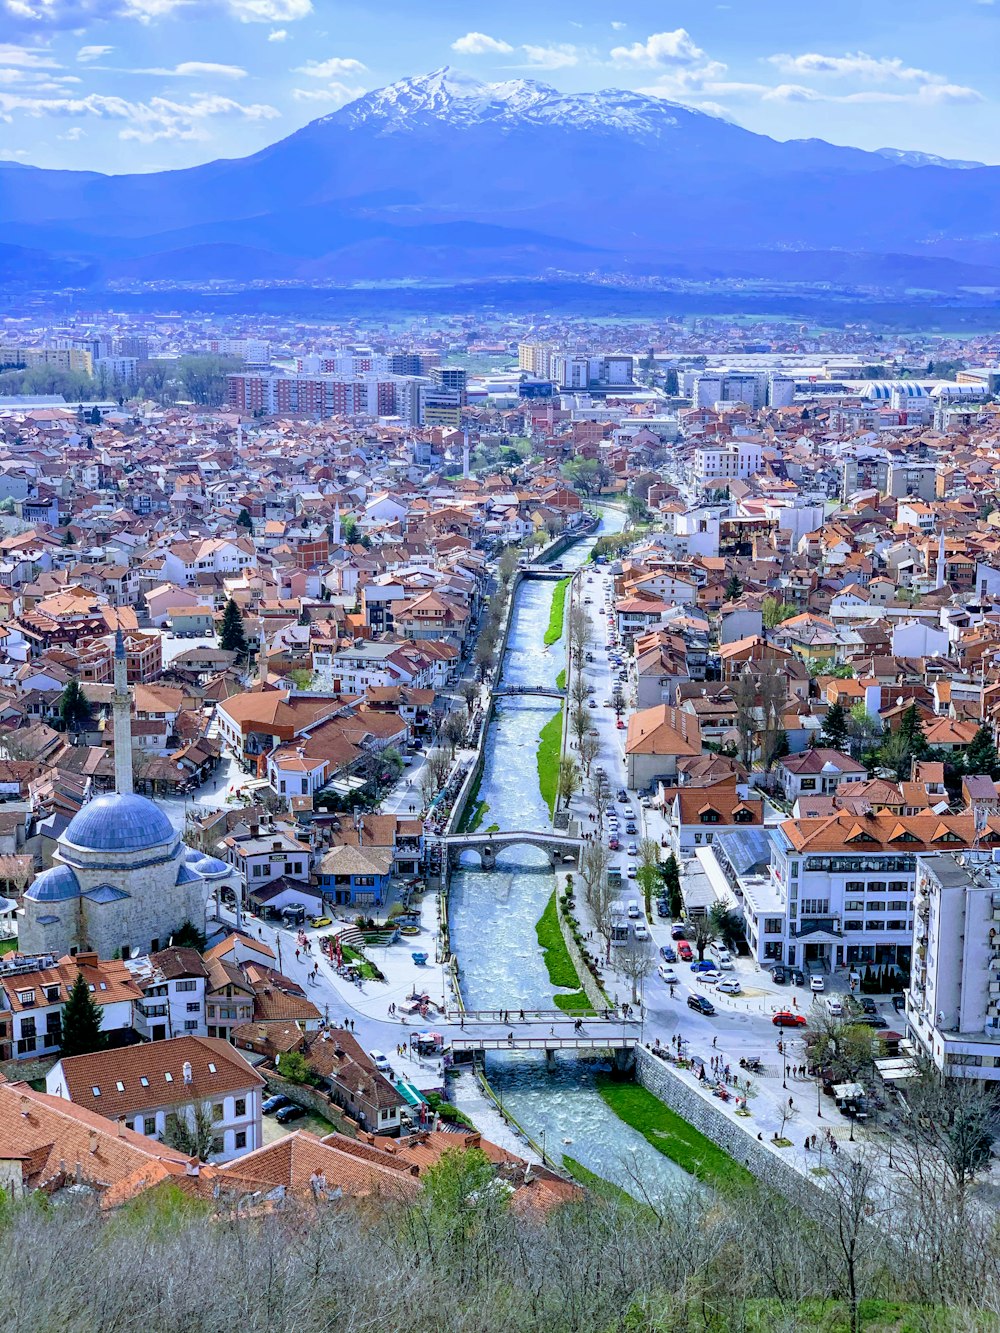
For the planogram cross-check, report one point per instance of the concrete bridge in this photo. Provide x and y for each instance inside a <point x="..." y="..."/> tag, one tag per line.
<point x="474" y="1032"/>
<point x="519" y="1042"/>
<point x="545" y="572"/>
<point x="532" y="691"/>
<point x="558" y="845"/>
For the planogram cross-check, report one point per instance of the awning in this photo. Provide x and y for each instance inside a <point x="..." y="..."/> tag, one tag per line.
<point x="848" y="1092"/>
<point x="344" y="786"/>
<point x="897" y="1070"/>
<point x="407" y="1091"/>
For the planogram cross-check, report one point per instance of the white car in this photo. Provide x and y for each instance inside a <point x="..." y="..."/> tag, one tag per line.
<point x="380" y="1061"/>
<point x="834" y="1007"/>
<point x="631" y="872"/>
<point x="640" y="930"/>
<point x="708" y="978"/>
<point x="729" y="986"/>
<point x="667" y="973"/>
<point x="633" y="911"/>
<point x="817" y="984"/>
<point x="632" y="849"/>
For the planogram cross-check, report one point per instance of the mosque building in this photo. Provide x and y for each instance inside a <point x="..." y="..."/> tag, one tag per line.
<point x="122" y="882"/>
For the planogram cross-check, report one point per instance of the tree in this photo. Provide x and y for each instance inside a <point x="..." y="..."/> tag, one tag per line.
<point x="671" y="873"/>
<point x="453" y="728"/>
<point x="82" y="1017"/>
<point x="579" y="632"/>
<point x="635" y="962"/>
<point x="834" y="729"/>
<point x="772" y="687"/>
<point x="704" y="933"/>
<point x="579" y="721"/>
<point x="507" y="567"/>
<point x="637" y="509"/>
<point x="671" y="385"/>
<point x="188" y="936"/>
<point x="469" y="691"/>
<point x="728" y="925"/>
<point x="981" y="756"/>
<point x="744" y="695"/>
<point x="484" y="653"/>
<point x="75" y="711"/>
<point x="953" y="1119"/>
<point x="232" y="637"/>
<point x="733" y="589"/>
<point x="775" y="611"/>
<point x="243" y="520"/>
<point x="569" y="780"/>
<point x="191" y="1130"/>
<point x="647" y="872"/>
<point x="590" y="748"/>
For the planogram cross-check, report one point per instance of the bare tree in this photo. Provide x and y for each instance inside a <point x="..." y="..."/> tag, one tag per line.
<point x="453" y="728"/>
<point x="191" y="1130"/>
<point x="773" y="691"/>
<point x="635" y="961"/>
<point x="955" y="1120"/>
<point x="704" y="932"/>
<point x="648" y="869"/>
<point x="438" y="764"/>
<point x="579" y="723"/>
<point x="744" y="694"/>
<point x="569" y="779"/>
<point x="590" y="748"/>
<point x="579" y="632"/>
<point x="578" y="691"/>
<point x="469" y="691"/>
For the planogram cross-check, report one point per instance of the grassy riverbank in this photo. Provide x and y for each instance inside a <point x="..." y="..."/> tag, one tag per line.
<point x="561" y="968"/>
<point x="671" y="1135"/>
<point x="557" y="614"/>
<point x="549" y="746"/>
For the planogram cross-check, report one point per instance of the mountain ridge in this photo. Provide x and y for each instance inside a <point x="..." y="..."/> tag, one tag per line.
<point x="609" y="181"/>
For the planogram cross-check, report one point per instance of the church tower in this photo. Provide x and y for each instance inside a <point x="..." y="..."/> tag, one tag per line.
<point x="122" y="707"/>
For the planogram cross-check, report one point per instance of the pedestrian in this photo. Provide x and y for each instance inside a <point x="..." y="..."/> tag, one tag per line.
<point x="522" y="1015"/>
<point x="715" y="1041"/>
<point x="727" y="1073"/>
<point x="795" y="1001"/>
<point x="791" y="1104"/>
<point x="296" y="955"/>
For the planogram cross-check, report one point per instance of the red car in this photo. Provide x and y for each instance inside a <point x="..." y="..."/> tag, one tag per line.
<point x="620" y="725"/>
<point x="613" y="844"/>
<point x="784" y="1018"/>
<point x="684" y="951"/>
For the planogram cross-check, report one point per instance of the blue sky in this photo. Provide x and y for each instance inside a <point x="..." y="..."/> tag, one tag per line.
<point x="138" y="85"/>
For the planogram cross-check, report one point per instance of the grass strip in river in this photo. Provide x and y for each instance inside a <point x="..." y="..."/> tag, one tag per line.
<point x="670" y="1134"/>
<point x="561" y="968"/>
<point x="556" y="615"/>
<point x="549" y="747"/>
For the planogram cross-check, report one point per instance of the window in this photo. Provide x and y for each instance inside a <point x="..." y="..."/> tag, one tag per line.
<point x="258" y="871"/>
<point x="773" y="925"/>
<point x="807" y="784"/>
<point x="898" y="904"/>
<point x="52" y="994"/>
<point x="191" y="1025"/>
<point x="853" y="925"/>
<point x="815" y="906"/>
<point x="26" y="997"/>
<point x="876" y="925"/>
<point x="853" y="905"/>
<point x="877" y="906"/>
<point x="876" y="886"/>
<point x="149" y="1123"/>
<point x="241" y="1138"/>
<point x="169" y="1077"/>
<point x="854" y="886"/>
<point x="187" y="985"/>
<point x="96" y="1091"/>
<point x="895" y="925"/>
<point x="193" y="1008"/>
<point x="144" y="1080"/>
<point x="218" y="1111"/>
<point x="898" y="886"/>
<point x="240" y="1106"/>
<point x="218" y="1146"/>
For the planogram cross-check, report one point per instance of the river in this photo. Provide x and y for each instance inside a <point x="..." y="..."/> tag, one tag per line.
<point x="492" y="917"/>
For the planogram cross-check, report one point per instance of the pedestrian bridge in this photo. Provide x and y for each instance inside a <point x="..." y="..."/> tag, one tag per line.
<point x="520" y="1042"/>
<point x="536" y="691"/>
<point x="545" y="572"/>
<point x="487" y="845"/>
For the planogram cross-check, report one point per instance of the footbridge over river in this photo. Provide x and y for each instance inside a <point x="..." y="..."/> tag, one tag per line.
<point x="562" y="848"/>
<point x="536" y="691"/>
<point x="476" y="1032"/>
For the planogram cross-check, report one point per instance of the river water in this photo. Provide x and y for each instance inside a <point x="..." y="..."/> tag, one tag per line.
<point x="492" y="917"/>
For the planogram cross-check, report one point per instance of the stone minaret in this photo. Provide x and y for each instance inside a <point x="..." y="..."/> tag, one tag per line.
<point x="465" y="456"/>
<point x="336" y="524"/>
<point x="122" y="705"/>
<point x="939" y="574"/>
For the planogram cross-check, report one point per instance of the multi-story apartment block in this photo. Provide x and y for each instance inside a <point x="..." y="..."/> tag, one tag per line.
<point x="953" y="1003"/>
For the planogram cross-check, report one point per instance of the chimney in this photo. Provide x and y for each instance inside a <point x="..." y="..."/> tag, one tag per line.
<point x="186" y="1071"/>
<point x="92" y="1145"/>
<point x="121" y="1127"/>
<point x="193" y="1168"/>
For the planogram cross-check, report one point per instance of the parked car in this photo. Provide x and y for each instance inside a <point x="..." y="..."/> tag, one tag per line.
<point x="797" y="976"/>
<point x="632" y="849"/>
<point x="380" y="1061"/>
<point x="684" y="951"/>
<point x="898" y="1003"/>
<point x="703" y="965"/>
<point x="662" y="910"/>
<point x="779" y="975"/>
<point x="710" y="978"/>
<point x="729" y="986"/>
<point x="868" y="1005"/>
<point x="817" y="984"/>
<point x="668" y="952"/>
<point x="702" y="1004"/>
<point x="872" y="1020"/>
<point x="784" y="1018"/>
<point x="290" y="1112"/>
<point x="630" y="826"/>
<point x="677" y="931"/>
<point x="834" y="1007"/>
<point x="622" y="794"/>
<point x="274" y="1103"/>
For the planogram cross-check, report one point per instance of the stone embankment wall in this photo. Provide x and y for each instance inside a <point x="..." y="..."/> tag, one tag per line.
<point x="759" y="1158"/>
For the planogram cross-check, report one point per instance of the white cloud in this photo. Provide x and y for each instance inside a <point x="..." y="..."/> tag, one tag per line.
<point x="334" y="95"/>
<point x="147" y="122"/>
<point x="278" y="35"/>
<point x="551" y="57"/>
<point x="196" y="69"/>
<point x="88" y="53"/>
<point x="661" y="48"/>
<point x="12" y="154"/>
<point x="73" y="134"/>
<point x="618" y="25"/>
<point x="855" y="65"/>
<point x="332" y="68"/>
<point x="26" y="57"/>
<point x="479" y="44"/>
<point x="929" y="94"/>
<point x="69" y="13"/>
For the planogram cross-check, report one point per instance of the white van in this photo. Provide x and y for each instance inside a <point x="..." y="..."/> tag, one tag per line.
<point x="722" y="957"/>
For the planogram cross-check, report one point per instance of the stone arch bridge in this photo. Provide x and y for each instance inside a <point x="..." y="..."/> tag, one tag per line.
<point x="558" y="845"/>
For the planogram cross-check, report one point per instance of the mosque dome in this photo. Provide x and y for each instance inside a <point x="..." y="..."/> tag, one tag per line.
<point x="55" y="885"/>
<point x="209" y="866"/>
<point x="115" y="823"/>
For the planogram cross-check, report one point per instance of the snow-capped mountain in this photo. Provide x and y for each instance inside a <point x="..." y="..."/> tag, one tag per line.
<point x="442" y="175"/>
<point x="453" y="98"/>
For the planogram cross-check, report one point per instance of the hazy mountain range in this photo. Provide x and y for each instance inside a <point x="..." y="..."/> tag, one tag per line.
<point x="443" y="176"/>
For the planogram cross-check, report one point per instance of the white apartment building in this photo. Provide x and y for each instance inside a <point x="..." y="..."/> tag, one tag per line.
<point x="953" y="1004"/>
<point x="729" y="462"/>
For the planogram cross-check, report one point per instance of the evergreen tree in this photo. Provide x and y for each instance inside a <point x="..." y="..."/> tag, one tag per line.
<point x="670" y="382"/>
<point x="81" y="1022"/>
<point x="232" y="638"/>
<point x="834" y="730"/>
<point x="244" y="520"/>
<point x="671" y="873"/>
<point x="734" y="589"/>
<point x="75" y="712"/>
<point x="981" y="756"/>
<point x="911" y="729"/>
